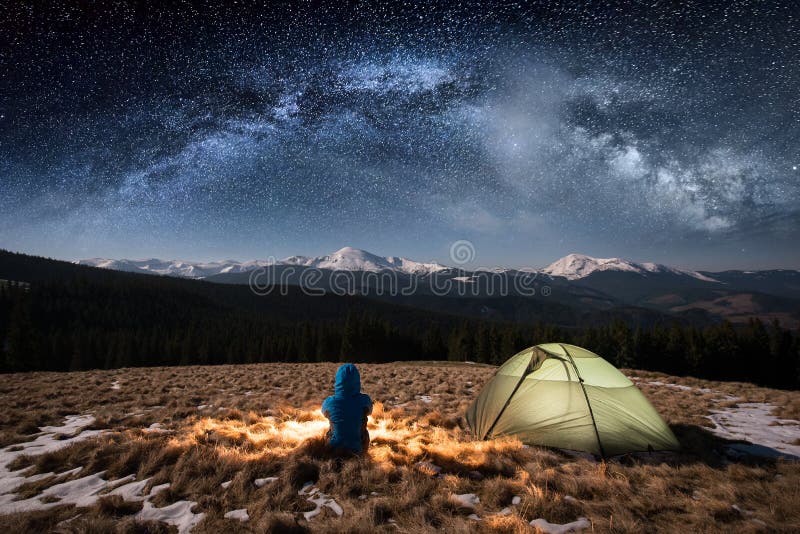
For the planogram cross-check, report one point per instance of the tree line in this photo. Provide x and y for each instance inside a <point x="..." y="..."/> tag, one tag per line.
<point x="80" y="323"/>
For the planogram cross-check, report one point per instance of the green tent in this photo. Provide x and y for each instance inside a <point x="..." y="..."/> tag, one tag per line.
<point x="563" y="396"/>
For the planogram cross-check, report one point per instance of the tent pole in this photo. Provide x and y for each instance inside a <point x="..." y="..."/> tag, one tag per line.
<point x="586" y="396"/>
<point x="503" y="409"/>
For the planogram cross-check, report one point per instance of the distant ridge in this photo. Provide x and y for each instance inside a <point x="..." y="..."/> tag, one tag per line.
<point x="346" y="259"/>
<point x="577" y="266"/>
<point x="571" y="267"/>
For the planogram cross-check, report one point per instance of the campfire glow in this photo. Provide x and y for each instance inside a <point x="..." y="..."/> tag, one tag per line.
<point x="394" y="437"/>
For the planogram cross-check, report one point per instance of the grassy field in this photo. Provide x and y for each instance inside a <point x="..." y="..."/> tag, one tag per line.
<point x="248" y="439"/>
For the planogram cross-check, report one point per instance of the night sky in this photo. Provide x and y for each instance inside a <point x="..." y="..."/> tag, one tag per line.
<point x="655" y="131"/>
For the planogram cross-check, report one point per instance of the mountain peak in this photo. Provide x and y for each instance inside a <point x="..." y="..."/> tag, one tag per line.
<point x="351" y="251"/>
<point x="356" y="259"/>
<point x="576" y="266"/>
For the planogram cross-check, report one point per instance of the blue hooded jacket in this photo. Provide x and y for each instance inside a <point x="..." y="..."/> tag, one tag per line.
<point x="347" y="409"/>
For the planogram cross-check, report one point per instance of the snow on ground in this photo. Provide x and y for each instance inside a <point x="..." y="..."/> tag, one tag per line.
<point x="178" y="513"/>
<point x="768" y="435"/>
<point x="466" y="500"/>
<point x="84" y="491"/>
<point x="320" y="500"/>
<point x="425" y="398"/>
<point x="554" y="528"/>
<point x="753" y="422"/>
<point x="157" y="428"/>
<point x="115" y="384"/>
<point x="240" y="514"/>
<point x="45" y="441"/>
<point x="678" y="386"/>
<point x="259" y="482"/>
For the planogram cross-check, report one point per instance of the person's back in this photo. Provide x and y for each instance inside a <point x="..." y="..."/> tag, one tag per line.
<point x="347" y="409"/>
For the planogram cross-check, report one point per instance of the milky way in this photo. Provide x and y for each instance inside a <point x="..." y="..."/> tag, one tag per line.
<point x="648" y="131"/>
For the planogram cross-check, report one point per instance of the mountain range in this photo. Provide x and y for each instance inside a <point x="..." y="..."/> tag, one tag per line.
<point x="574" y="282"/>
<point x="347" y="258"/>
<point x="571" y="267"/>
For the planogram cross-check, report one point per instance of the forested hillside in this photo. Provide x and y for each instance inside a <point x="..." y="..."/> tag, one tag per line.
<point x="68" y="317"/>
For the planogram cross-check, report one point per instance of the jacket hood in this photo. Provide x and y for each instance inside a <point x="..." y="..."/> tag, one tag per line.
<point x="348" y="381"/>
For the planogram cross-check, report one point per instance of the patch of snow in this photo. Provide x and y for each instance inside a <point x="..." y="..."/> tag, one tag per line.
<point x="516" y="500"/>
<point x="11" y="483"/>
<point x="81" y="492"/>
<point x="46" y="441"/>
<point x="260" y="482"/>
<point x="115" y="384"/>
<point x="156" y="428"/>
<point x="467" y="500"/>
<point x="554" y="528"/>
<point x="84" y="491"/>
<point x="178" y="513"/>
<point x="678" y="386"/>
<point x="72" y="423"/>
<point x="768" y="436"/>
<point x="425" y="398"/>
<point x="505" y="511"/>
<point x="570" y="499"/>
<point x="240" y="514"/>
<point x="474" y="517"/>
<point x="320" y="500"/>
<point x="159" y="488"/>
<point x="226" y="484"/>
<point x="132" y="491"/>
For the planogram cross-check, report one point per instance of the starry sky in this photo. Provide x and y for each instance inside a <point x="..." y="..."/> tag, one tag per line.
<point x="654" y="130"/>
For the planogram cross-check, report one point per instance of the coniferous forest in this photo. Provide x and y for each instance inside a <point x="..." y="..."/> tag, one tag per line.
<point x="66" y="317"/>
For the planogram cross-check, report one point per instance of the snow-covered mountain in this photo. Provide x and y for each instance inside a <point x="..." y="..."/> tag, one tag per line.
<point x="347" y="258"/>
<point x="577" y="266"/>
<point x="353" y="259"/>
<point x="185" y="269"/>
<point x="571" y="267"/>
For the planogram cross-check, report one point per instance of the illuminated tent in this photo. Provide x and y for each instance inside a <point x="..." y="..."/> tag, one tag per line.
<point x="563" y="396"/>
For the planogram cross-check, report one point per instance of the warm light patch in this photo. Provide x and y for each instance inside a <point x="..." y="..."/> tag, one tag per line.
<point x="394" y="438"/>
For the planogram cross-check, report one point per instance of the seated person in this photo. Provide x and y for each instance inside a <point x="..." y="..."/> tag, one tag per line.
<point x="347" y="410"/>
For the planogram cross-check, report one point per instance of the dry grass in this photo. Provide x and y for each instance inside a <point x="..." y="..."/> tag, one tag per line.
<point x="263" y="421"/>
